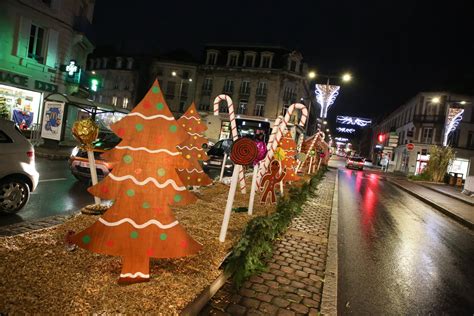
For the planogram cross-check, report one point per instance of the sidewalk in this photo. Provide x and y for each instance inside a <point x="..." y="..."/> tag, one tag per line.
<point x="454" y="208"/>
<point x="293" y="284"/>
<point x="60" y="153"/>
<point x="450" y="191"/>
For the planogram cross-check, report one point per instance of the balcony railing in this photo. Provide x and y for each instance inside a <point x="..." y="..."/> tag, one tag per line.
<point x="429" y="118"/>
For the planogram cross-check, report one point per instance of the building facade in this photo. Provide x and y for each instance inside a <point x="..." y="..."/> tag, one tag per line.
<point x="425" y="121"/>
<point x="263" y="81"/>
<point x="117" y="78"/>
<point x="43" y="52"/>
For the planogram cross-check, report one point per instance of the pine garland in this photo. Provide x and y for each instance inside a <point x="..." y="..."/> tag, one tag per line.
<point x="256" y="244"/>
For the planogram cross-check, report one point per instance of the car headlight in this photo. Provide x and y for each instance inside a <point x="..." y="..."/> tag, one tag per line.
<point x="228" y="166"/>
<point x="204" y="163"/>
<point x="75" y="151"/>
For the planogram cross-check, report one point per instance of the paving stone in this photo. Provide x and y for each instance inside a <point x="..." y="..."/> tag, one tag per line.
<point x="317" y="297"/>
<point x="299" y="308"/>
<point x="272" y="284"/>
<point x="293" y="297"/>
<point x="296" y="266"/>
<point x="247" y="292"/>
<point x="309" y="270"/>
<point x="275" y="292"/>
<point x="285" y="312"/>
<point x="301" y="274"/>
<point x="256" y="279"/>
<point x="282" y="280"/>
<point x="254" y="312"/>
<point x="287" y="269"/>
<point x="260" y="288"/>
<point x="277" y="272"/>
<point x="313" y="312"/>
<point x="280" y="302"/>
<point x="250" y="302"/>
<point x="235" y="298"/>
<point x="268" y="309"/>
<point x="305" y="293"/>
<point x="234" y="309"/>
<point x="282" y="263"/>
<point x="264" y="297"/>
<point x="310" y="303"/>
<point x="297" y="284"/>
<point x="267" y="276"/>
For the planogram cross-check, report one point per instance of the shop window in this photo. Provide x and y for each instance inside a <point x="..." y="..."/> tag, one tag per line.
<point x="19" y="105"/>
<point x="36" y="43"/>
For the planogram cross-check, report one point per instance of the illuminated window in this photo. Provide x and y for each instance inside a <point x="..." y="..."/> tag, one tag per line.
<point x="114" y="101"/>
<point x="125" y="103"/>
<point x="35" y="45"/>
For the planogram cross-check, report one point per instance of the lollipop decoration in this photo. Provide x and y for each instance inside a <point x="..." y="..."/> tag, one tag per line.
<point x="244" y="152"/>
<point x="86" y="131"/>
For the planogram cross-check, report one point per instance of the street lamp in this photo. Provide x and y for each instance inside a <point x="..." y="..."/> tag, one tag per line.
<point x="325" y="93"/>
<point x="327" y="129"/>
<point x="175" y="74"/>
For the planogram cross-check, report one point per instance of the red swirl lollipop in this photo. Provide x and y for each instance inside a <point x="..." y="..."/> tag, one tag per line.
<point x="244" y="151"/>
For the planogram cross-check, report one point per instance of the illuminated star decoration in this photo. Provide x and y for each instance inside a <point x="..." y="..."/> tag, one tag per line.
<point x="454" y="118"/>
<point x="326" y="95"/>
<point x="71" y="68"/>
<point x="345" y="130"/>
<point x="359" y="121"/>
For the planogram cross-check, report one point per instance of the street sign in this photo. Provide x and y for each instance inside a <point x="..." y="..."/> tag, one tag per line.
<point x="410" y="146"/>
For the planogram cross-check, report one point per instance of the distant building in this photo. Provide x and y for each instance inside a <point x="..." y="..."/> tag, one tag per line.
<point x="117" y="80"/>
<point x="263" y="81"/>
<point x="423" y="122"/>
<point x="43" y="51"/>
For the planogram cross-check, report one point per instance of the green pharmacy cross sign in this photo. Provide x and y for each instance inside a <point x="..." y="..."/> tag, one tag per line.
<point x="72" y="68"/>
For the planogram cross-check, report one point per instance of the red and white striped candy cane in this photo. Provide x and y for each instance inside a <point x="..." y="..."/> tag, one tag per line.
<point x="280" y="131"/>
<point x="233" y="127"/>
<point x="276" y="124"/>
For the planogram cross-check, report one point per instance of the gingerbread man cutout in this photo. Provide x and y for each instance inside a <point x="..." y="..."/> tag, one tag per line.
<point x="269" y="181"/>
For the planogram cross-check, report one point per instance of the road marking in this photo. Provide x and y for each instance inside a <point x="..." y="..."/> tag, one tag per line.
<point x="50" y="180"/>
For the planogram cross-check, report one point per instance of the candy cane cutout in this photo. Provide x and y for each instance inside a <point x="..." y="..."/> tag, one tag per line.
<point x="280" y="131"/>
<point x="233" y="126"/>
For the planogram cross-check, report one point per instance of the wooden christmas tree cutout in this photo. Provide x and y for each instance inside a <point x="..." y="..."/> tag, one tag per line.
<point x="289" y="163"/>
<point x="143" y="184"/>
<point x="192" y="148"/>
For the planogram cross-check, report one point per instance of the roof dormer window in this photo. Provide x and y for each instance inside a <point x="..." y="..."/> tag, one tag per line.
<point x="249" y="59"/>
<point x="266" y="60"/>
<point x="211" y="58"/>
<point x="233" y="59"/>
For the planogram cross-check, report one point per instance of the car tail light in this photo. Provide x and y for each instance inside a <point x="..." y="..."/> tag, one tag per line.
<point x="361" y="163"/>
<point x="31" y="155"/>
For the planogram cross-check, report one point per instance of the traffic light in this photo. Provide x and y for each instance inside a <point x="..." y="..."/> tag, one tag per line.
<point x="380" y="138"/>
<point x="94" y="84"/>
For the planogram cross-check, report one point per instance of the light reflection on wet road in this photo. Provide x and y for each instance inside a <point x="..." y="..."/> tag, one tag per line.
<point x="397" y="255"/>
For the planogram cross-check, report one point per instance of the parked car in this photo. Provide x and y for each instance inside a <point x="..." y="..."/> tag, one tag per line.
<point x="355" y="163"/>
<point x="79" y="162"/>
<point x="368" y="163"/>
<point x="216" y="156"/>
<point x="18" y="175"/>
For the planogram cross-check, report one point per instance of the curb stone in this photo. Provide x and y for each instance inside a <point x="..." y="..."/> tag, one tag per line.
<point x="329" y="295"/>
<point x="34" y="225"/>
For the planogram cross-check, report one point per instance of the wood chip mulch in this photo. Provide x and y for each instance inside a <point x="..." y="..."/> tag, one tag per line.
<point x="39" y="275"/>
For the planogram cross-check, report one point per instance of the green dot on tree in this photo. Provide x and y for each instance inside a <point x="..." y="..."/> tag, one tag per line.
<point x="155" y="89"/>
<point x="161" y="172"/>
<point x="159" y="106"/>
<point x="177" y="198"/>
<point x="86" y="239"/>
<point x="127" y="159"/>
<point x="134" y="235"/>
<point x="163" y="236"/>
<point x="130" y="192"/>
<point x="139" y="127"/>
<point x="146" y="205"/>
<point x="173" y="128"/>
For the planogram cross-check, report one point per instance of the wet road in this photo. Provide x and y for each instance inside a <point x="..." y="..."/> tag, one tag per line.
<point x="57" y="193"/>
<point x="397" y="255"/>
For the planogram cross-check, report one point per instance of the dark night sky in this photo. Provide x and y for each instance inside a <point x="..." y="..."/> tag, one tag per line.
<point x="393" y="48"/>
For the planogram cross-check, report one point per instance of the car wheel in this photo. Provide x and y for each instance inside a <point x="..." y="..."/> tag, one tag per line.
<point x="14" y="194"/>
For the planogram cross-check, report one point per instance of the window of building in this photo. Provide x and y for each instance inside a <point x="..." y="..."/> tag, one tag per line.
<point x="223" y="107"/>
<point x="114" y="101"/>
<point x="184" y="89"/>
<point x="170" y="88"/>
<point x="431" y="108"/>
<point x="245" y="87"/>
<point x="116" y="85"/>
<point x="211" y="58"/>
<point x="293" y="65"/>
<point x="229" y="86"/>
<point x="104" y="62"/>
<point x="242" y="109"/>
<point x="118" y="63"/>
<point x="233" y="59"/>
<point x="207" y="85"/>
<point x="204" y="107"/>
<point x="470" y="140"/>
<point x="129" y="63"/>
<point x="285" y="109"/>
<point x="262" y="88"/>
<point x="427" y="135"/>
<point x="100" y="98"/>
<point x="125" y="103"/>
<point x="249" y="60"/>
<point x="36" y="43"/>
<point x="259" y="109"/>
<point x="266" y="60"/>
<point x="181" y="106"/>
